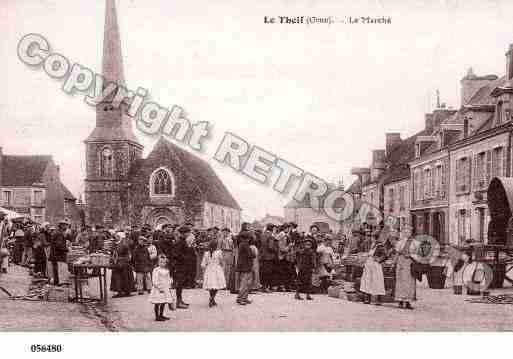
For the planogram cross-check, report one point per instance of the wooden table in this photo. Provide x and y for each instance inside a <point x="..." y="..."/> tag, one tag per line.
<point x="80" y="272"/>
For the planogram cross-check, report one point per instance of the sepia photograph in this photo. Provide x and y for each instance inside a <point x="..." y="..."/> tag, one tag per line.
<point x="273" y="166"/>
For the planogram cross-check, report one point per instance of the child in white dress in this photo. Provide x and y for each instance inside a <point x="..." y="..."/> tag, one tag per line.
<point x="213" y="274"/>
<point x="161" y="289"/>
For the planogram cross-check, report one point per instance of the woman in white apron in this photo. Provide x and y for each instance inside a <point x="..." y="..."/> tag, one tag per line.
<point x="373" y="281"/>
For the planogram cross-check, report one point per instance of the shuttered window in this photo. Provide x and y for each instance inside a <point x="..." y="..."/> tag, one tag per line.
<point x="463" y="175"/>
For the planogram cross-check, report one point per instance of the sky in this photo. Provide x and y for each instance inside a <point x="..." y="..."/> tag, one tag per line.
<point x="319" y="96"/>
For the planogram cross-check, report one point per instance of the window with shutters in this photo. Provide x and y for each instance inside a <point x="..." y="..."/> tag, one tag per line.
<point x="417" y="185"/>
<point x="401" y="198"/>
<point x="391" y="199"/>
<point x="463" y="175"/>
<point x="438" y="181"/>
<point x="480" y="171"/>
<point x="428" y="183"/>
<point x="497" y="162"/>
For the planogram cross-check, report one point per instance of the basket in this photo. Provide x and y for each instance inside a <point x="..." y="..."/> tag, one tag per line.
<point x="353" y="297"/>
<point x="100" y="260"/>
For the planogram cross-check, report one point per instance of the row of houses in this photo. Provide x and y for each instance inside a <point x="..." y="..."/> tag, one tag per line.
<point x="436" y="180"/>
<point x="31" y="186"/>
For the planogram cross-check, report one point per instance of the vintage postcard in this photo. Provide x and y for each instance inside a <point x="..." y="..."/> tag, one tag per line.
<point x="271" y="166"/>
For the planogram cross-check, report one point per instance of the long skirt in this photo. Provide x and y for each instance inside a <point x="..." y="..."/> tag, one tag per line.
<point x="256" y="275"/>
<point x="122" y="280"/>
<point x="405" y="285"/>
<point x="228" y="265"/>
<point x="373" y="281"/>
<point x="49" y="268"/>
<point x="235" y="277"/>
<point x="214" y="277"/>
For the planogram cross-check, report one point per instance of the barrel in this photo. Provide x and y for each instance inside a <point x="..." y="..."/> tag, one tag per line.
<point x="436" y="278"/>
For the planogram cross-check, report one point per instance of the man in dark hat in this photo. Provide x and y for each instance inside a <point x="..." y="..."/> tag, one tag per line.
<point x="180" y="265"/>
<point x="244" y="267"/>
<point x="58" y="253"/>
<point x="305" y="265"/>
<point x="268" y="258"/>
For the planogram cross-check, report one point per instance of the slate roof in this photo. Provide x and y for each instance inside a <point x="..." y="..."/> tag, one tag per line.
<point x="482" y="96"/>
<point x="199" y="171"/>
<point x="23" y="171"/>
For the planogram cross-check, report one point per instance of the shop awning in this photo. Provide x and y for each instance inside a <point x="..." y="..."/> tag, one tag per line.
<point x="10" y="215"/>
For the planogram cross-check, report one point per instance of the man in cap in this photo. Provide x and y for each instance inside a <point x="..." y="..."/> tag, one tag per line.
<point x="305" y="265"/>
<point x="181" y="265"/>
<point x="268" y="258"/>
<point x="58" y="254"/>
<point x="244" y="267"/>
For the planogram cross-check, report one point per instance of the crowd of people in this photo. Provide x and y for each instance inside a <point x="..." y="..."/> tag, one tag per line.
<point x="165" y="261"/>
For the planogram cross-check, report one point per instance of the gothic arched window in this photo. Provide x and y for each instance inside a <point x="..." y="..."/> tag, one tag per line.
<point x="162" y="183"/>
<point x="106" y="162"/>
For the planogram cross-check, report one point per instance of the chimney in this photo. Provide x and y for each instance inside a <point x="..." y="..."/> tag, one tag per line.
<point x="429" y="122"/>
<point x="378" y="164"/>
<point x="392" y="141"/>
<point x="509" y="62"/>
<point x="471" y="83"/>
<point x="465" y="127"/>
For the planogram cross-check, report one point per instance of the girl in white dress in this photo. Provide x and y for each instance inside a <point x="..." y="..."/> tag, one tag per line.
<point x="161" y="289"/>
<point x="213" y="274"/>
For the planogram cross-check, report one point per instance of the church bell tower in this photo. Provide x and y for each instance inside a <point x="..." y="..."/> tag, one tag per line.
<point x="112" y="146"/>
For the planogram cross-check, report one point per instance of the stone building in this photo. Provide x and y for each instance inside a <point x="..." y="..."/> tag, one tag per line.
<point x="480" y="151"/>
<point x="447" y="167"/>
<point x="171" y="185"/>
<point x="304" y="215"/>
<point x="31" y="185"/>
<point x="429" y="168"/>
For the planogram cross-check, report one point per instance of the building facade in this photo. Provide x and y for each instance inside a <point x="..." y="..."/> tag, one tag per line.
<point x="448" y="166"/>
<point x="31" y="185"/>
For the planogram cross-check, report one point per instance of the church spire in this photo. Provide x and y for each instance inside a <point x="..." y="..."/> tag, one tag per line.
<point x="112" y="57"/>
<point x="112" y="123"/>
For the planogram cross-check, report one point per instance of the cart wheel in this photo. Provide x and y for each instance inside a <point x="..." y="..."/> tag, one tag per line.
<point x="509" y="268"/>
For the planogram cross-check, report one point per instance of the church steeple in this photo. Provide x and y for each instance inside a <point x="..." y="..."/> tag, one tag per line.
<point x="112" y="123"/>
<point x="112" y="55"/>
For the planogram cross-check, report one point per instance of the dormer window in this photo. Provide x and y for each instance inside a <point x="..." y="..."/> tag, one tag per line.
<point x="417" y="150"/>
<point x="499" y="113"/>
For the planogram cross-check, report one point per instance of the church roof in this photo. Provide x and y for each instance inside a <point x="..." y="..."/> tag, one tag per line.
<point x="199" y="171"/>
<point x="23" y="171"/>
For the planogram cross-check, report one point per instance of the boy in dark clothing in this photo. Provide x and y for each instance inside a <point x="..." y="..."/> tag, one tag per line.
<point x="143" y="266"/>
<point x="305" y="264"/>
<point x="244" y="267"/>
<point x="39" y="258"/>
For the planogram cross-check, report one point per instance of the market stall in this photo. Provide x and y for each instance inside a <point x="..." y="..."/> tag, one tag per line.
<point x="85" y="266"/>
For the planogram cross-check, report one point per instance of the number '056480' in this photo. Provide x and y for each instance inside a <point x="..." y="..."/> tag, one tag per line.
<point x="46" y="348"/>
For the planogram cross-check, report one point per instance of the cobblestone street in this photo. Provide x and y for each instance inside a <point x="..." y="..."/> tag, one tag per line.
<point x="435" y="310"/>
<point x="46" y="316"/>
